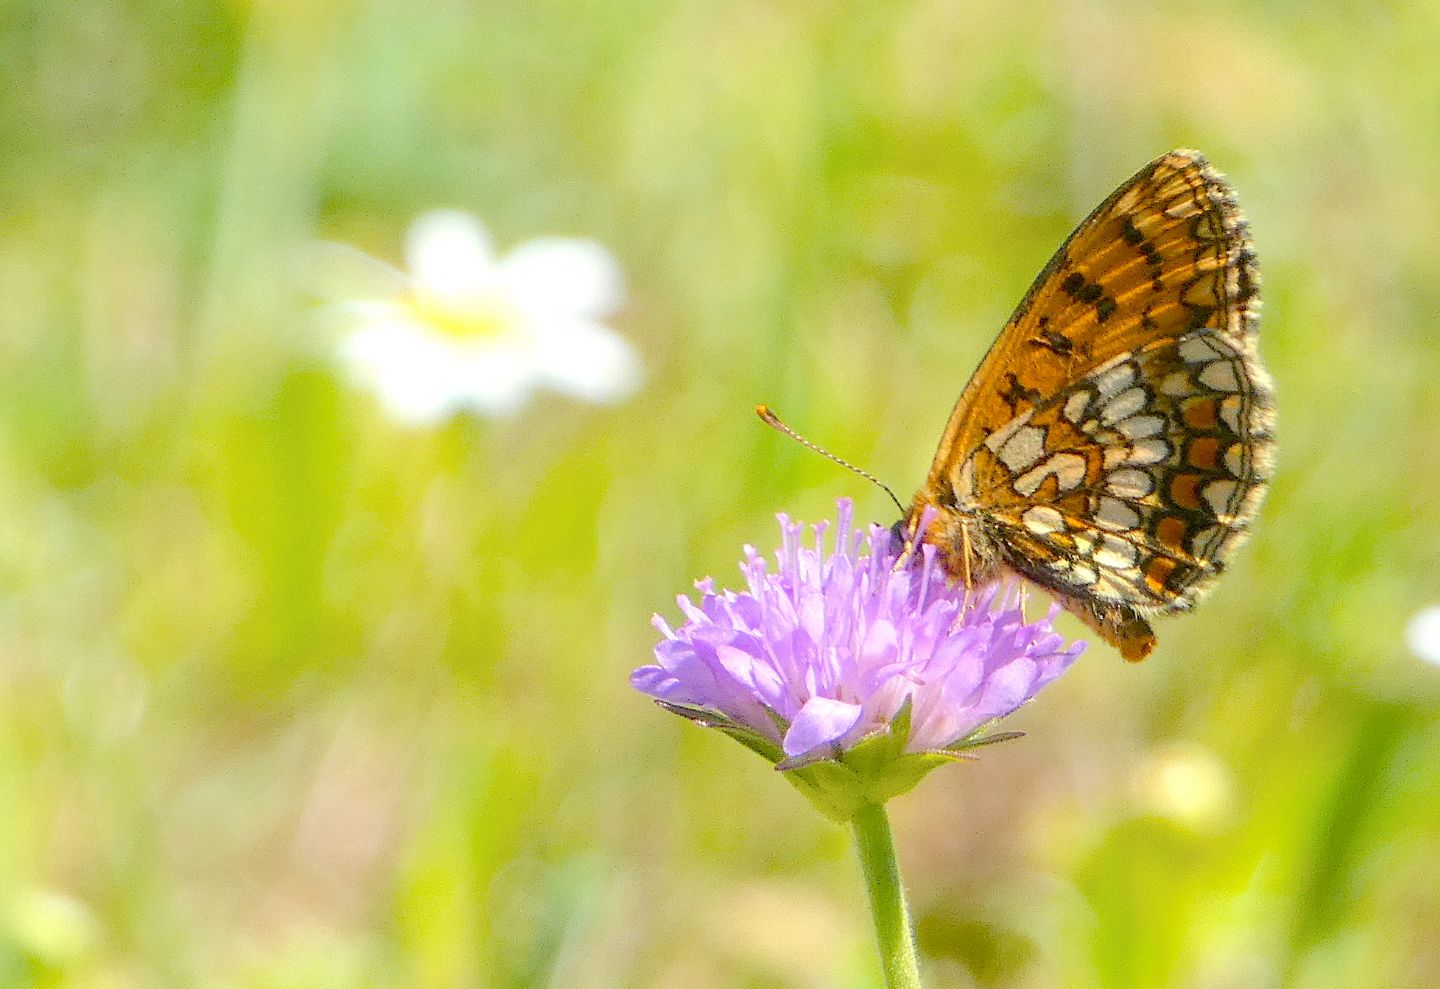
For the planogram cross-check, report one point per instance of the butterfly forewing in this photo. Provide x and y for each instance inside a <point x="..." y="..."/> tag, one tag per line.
<point x="1115" y="442"/>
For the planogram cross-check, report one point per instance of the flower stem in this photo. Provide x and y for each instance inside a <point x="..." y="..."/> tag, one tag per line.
<point x="887" y="897"/>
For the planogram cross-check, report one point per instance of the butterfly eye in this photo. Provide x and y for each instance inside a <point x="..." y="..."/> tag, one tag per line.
<point x="899" y="531"/>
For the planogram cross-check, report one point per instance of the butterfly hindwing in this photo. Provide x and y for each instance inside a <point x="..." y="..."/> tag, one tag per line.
<point x="1115" y="442"/>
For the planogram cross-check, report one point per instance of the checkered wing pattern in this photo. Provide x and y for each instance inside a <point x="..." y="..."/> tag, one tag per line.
<point x="1115" y="442"/>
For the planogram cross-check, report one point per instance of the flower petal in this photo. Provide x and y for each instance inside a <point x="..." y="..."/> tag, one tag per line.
<point x="880" y="644"/>
<point x="412" y="371"/>
<point x="821" y="721"/>
<point x="557" y="275"/>
<point x="751" y="672"/>
<point x="1006" y="689"/>
<point x="450" y="255"/>
<point x="586" y="360"/>
<point x="1423" y="634"/>
<point x="495" y="378"/>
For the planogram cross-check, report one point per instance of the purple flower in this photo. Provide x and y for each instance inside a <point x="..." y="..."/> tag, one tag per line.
<point x="831" y="650"/>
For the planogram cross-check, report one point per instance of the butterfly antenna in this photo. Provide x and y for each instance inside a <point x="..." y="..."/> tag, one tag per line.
<point x="773" y="421"/>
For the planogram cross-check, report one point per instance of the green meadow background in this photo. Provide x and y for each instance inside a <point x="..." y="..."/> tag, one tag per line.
<point x="294" y="696"/>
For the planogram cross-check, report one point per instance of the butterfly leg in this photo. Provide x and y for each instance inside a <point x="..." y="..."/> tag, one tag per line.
<point x="965" y="550"/>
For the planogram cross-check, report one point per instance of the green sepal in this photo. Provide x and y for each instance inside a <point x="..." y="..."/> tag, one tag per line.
<point x="972" y="742"/>
<point x="976" y="737"/>
<point x="706" y="717"/>
<point x="839" y="788"/>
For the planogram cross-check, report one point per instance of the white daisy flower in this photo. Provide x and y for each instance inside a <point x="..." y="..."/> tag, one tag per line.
<point x="1424" y="634"/>
<point x="465" y="330"/>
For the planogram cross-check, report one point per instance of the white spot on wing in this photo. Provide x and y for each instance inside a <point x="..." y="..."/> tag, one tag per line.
<point x="1150" y="451"/>
<point x="1199" y="350"/>
<point x="1139" y="427"/>
<point x="1129" y="483"/>
<point x="1114" y="513"/>
<point x="1076" y="405"/>
<point x="1202" y="544"/>
<point x="1124" y="405"/>
<point x="1115" y="553"/>
<point x="1220" y="376"/>
<point x="1043" y="520"/>
<point x="1236" y="460"/>
<point x="1116" y="379"/>
<point x="998" y="438"/>
<point x="1068" y="468"/>
<point x="1022" y="449"/>
<point x="1218" y="494"/>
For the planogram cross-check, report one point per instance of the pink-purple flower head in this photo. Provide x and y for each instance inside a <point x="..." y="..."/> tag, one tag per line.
<point x="847" y="657"/>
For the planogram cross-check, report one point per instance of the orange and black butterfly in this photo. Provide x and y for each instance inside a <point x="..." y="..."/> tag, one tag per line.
<point x="1116" y="440"/>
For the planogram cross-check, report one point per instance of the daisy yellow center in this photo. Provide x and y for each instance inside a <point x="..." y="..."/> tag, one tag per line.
<point x="485" y="318"/>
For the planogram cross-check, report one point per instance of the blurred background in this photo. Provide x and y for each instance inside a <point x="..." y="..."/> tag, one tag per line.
<point x="296" y="695"/>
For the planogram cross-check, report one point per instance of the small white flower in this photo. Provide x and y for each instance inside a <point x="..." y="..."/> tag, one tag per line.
<point x="466" y="330"/>
<point x="1424" y="634"/>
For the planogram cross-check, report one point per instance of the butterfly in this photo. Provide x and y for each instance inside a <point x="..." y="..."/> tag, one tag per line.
<point x="1115" y="443"/>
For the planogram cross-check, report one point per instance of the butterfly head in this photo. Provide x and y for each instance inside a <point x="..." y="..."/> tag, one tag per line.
<point x="966" y="548"/>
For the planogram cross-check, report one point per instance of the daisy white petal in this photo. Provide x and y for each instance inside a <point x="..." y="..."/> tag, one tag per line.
<point x="410" y="370"/>
<point x="1423" y="634"/>
<point x="564" y="276"/>
<point x="495" y="378"/>
<point x="586" y="360"/>
<point x="450" y="256"/>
